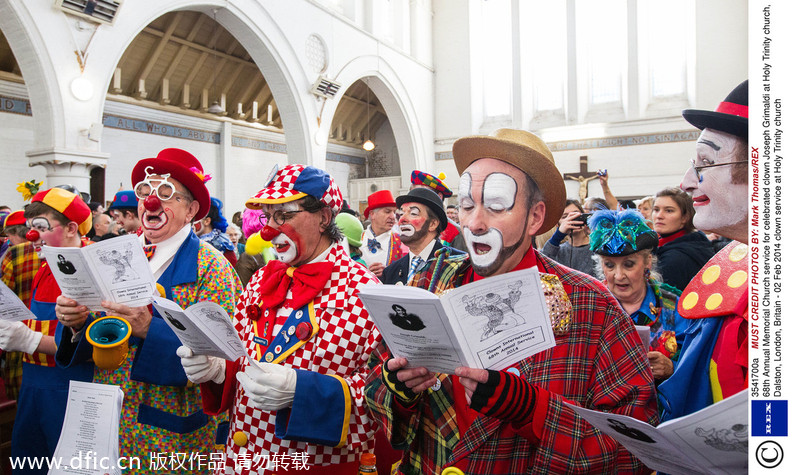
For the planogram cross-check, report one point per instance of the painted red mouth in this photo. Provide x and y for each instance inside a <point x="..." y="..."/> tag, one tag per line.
<point x="282" y="247"/>
<point x="700" y="200"/>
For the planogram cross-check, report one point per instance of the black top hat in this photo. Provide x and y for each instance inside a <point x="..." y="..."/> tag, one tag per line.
<point x="730" y="116"/>
<point x="430" y="199"/>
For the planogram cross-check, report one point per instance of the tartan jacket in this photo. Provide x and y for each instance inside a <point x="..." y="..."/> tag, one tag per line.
<point x="19" y="267"/>
<point x="599" y="364"/>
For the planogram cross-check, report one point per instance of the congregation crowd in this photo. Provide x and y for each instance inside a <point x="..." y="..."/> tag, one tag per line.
<point x="320" y="380"/>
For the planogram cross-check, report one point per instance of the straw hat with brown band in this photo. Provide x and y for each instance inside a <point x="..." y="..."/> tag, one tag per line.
<point x="525" y="151"/>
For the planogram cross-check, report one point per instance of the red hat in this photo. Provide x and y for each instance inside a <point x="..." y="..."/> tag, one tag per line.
<point x="68" y="204"/>
<point x="15" y="219"/>
<point x="435" y="183"/>
<point x="295" y="181"/>
<point x="183" y="167"/>
<point x="379" y="199"/>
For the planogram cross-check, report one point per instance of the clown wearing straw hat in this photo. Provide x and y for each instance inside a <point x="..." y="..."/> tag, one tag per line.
<point x="516" y="420"/>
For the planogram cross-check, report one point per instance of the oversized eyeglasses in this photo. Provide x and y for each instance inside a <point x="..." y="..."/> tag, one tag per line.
<point x="40" y="224"/>
<point x="279" y="216"/>
<point x="699" y="169"/>
<point x="162" y="188"/>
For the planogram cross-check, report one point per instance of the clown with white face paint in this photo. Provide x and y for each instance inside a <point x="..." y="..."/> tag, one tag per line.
<point x="510" y="191"/>
<point x="303" y="324"/>
<point x="489" y="248"/>
<point x="422" y="219"/>
<point x="171" y="193"/>
<point x="713" y="363"/>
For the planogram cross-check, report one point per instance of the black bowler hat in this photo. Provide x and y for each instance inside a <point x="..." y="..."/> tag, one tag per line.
<point x="730" y="116"/>
<point x="430" y="199"/>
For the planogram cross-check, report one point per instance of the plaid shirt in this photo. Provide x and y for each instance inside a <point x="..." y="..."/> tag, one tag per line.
<point x="19" y="267"/>
<point x="598" y="364"/>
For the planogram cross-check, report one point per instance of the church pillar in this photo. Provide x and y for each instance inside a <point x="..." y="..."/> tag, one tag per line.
<point x="67" y="167"/>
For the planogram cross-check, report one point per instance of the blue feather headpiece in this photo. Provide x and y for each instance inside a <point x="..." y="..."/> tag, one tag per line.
<point x="619" y="233"/>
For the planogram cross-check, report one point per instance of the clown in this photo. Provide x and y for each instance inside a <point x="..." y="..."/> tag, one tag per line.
<point x="301" y="320"/>
<point x="56" y="218"/>
<point x="515" y="420"/>
<point x="451" y="235"/>
<point x="380" y="246"/>
<point x="422" y="219"/>
<point x="713" y="364"/>
<point x="162" y="412"/>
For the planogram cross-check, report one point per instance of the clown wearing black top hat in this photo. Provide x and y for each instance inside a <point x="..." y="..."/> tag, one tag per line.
<point x="713" y="365"/>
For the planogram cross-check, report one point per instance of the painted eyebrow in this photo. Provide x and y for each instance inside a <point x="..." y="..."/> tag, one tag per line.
<point x="711" y="144"/>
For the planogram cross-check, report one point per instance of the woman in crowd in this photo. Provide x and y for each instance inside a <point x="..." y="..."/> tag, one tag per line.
<point x="681" y="250"/>
<point x="575" y="252"/>
<point x="645" y="207"/>
<point x="623" y="244"/>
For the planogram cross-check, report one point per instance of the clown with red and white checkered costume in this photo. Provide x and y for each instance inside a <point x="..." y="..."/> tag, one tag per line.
<point x="301" y="319"/>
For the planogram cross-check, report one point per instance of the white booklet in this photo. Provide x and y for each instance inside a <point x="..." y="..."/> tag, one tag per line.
<point x="89" y="441"/>
<point x="491" y="323"/>
<point x="711" y="440"/>
<point x="12" y="309"/>
<point x="115" y="270"/>
<point x="205" y="328"/>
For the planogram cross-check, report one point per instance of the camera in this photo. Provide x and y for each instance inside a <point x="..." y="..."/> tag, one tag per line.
<point x="583" y="217"/>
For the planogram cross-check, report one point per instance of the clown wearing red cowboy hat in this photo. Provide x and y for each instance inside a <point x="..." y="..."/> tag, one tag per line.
<point x="380" y="245"/>
<point x="301" y="320"/>
<point x="714" y="361"/>
<point x="162" y="412"/>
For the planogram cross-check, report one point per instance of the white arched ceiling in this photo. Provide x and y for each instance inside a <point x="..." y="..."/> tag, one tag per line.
<point x="393" y="96"/>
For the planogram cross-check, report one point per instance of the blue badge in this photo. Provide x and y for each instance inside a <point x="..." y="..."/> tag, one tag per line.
<point x="770" y="417"/>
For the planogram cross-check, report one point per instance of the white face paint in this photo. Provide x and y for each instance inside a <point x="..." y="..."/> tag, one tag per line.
<point x="285" y="248"/>
<point x="407" y="230"/>
<point x="499" y="192"/>
<point x="488" y="247"/>
<point x="497" y="197"/>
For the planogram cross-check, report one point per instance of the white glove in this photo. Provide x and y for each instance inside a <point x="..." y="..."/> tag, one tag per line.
<point x="16" y="336"/>
<point x="269" y="386"/>
<point x="201" y="368"/>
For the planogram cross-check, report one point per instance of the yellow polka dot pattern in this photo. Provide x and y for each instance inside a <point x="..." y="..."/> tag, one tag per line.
<point x="738" y="253"/>
<point x="689" y="300"/>
<point x="714" y="301"/>
<point x="737" y="279"/>
<point x="711" y="275"/>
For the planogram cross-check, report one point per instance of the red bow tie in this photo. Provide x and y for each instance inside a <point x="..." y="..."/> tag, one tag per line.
<point x="311" y="278"/>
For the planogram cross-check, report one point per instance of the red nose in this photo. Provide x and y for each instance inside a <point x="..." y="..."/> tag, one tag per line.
<point x="32" y="235"/>
<point x="269" y="233"/>
<point x="152" y="203"/>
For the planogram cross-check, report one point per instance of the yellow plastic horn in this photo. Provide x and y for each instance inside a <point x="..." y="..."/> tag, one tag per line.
<point x="452" y="471"/>
<point x="109" y="337"/>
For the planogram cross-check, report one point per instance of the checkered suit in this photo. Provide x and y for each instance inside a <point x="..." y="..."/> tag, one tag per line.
<point x="598" y="364"/>
<point x="339" y="351"/>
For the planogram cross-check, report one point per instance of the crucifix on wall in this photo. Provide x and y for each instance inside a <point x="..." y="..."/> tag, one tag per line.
<point x="583" y="177"/>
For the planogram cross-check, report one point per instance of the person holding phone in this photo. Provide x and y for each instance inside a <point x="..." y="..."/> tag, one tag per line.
<point x="574" y="252"/>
